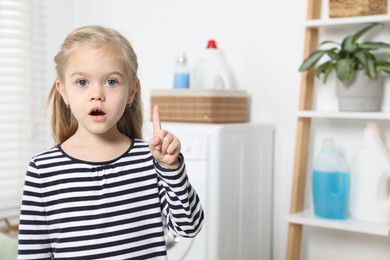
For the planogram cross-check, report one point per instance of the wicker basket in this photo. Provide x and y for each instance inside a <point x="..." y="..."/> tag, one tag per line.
<point x="201" y="106"/>
<point x="344" y="8"/>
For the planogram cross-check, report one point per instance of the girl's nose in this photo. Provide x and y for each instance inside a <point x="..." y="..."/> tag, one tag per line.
<point x="97" y="94"/>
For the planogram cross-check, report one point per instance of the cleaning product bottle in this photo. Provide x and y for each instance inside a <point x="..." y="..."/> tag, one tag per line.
<point x="370" y="178"/>
<point x="330" y="183"/>
<point x="181" y="77"/>
<point x="212" y="71"/>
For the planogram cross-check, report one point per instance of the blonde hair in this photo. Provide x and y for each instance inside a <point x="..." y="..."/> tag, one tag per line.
<point x="63" y="123"/>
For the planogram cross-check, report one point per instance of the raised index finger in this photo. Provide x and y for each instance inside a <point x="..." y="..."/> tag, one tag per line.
<point x="156" y="120"/>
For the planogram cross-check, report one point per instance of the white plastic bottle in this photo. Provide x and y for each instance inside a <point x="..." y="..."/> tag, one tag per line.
<point x="212" y="71"/>
<point x="181" y="77"/>
<point x="330" y="183"/>
<point x="370" y="178"/>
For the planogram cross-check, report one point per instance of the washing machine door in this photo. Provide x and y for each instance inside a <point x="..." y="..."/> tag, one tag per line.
<point x="177" y="247"/>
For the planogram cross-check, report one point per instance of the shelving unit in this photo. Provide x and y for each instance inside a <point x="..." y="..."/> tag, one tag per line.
<point x="299" y="216"/>
<point x="307" y="218"/>
<point x="333" y="22"/>
<point x="343" y="115"/>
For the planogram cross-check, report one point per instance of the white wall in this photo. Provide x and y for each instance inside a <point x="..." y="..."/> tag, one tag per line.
<point x="263" y="43"/>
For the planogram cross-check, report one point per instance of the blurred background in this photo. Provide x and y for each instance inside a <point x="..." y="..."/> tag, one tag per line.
<point x="262" y="41"/>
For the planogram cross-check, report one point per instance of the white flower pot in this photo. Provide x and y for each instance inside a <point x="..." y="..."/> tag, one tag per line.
<point x="361" y="94"/>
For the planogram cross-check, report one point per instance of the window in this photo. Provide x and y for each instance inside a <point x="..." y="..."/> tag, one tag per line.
<point x="22" y="105"/>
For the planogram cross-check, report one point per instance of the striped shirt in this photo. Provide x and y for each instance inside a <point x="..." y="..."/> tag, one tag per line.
<point x="73" y="209"/>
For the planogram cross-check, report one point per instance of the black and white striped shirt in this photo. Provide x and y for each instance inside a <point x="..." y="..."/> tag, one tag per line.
<point x="73" y="209"/>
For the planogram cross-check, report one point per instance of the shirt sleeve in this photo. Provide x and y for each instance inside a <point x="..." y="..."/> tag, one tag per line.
<point x="33" y="239"/>
<point x="179" y="201"/>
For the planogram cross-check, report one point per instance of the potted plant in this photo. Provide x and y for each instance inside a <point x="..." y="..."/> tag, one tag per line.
<point x="357" y="69"/>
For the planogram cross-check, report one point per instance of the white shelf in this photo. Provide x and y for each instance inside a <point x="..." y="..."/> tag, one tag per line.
<point x="307" y="218"/>
<point x="330" y="22"/>
<point x="344" y="115"/>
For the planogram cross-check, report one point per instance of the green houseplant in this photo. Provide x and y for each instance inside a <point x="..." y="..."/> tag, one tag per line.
<point x="359" y="84"/>
<point x="348" y="57"/>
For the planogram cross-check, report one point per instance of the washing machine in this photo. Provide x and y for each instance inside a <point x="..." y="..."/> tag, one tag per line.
<point x="230" y="166"/>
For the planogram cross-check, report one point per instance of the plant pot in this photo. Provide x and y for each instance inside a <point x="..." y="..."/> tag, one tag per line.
<point x="361" y="94"/>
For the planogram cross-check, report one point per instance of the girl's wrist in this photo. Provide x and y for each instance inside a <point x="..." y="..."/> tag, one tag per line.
<point x="170" y="166"/>
<point x="174" y="166"/>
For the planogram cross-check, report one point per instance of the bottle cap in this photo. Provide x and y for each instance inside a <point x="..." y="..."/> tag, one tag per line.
<point x="181" y="57"/>
<point x="371" y="129"/>
<point x="328" y="144"/>
<point x="212" y="44"/>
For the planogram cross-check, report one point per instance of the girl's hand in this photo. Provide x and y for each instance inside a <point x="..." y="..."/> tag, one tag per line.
<point x="164" y="146"/>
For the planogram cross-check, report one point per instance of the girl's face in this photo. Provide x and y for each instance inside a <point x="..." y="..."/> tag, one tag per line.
<point x="97" y="89"/>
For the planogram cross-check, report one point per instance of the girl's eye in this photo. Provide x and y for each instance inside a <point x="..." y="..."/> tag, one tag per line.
<point x="81" y="83"/>
<point x="111" y="83"/>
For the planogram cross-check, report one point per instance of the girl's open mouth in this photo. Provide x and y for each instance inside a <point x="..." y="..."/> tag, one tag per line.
<point x="97" y="112"/>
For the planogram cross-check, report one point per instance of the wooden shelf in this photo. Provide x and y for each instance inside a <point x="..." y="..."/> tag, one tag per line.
<point x="315" y="21"/>
<point x="307" y="218"/>
<point x="330" y="22"/>
<point x="344" y="115"/>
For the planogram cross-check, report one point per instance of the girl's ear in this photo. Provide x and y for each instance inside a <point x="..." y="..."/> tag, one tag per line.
<point x="133" y="91"/>
<point x="61" y="89"/>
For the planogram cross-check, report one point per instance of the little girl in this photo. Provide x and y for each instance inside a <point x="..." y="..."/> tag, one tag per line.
<point x="102" y="192"/>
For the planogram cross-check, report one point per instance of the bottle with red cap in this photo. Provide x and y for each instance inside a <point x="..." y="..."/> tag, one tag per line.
<point x="212" y="70"/>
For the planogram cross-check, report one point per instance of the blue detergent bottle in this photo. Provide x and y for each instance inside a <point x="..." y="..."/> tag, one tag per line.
<point x="330" y="183"/>
<point x="181" y="77"/>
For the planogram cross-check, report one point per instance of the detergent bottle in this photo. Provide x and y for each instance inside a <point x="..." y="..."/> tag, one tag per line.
<point x="330" y="183"/>
<point x="370" y="178"/>
<point x="212" y="70"/>
<point x="181" y="77"/>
